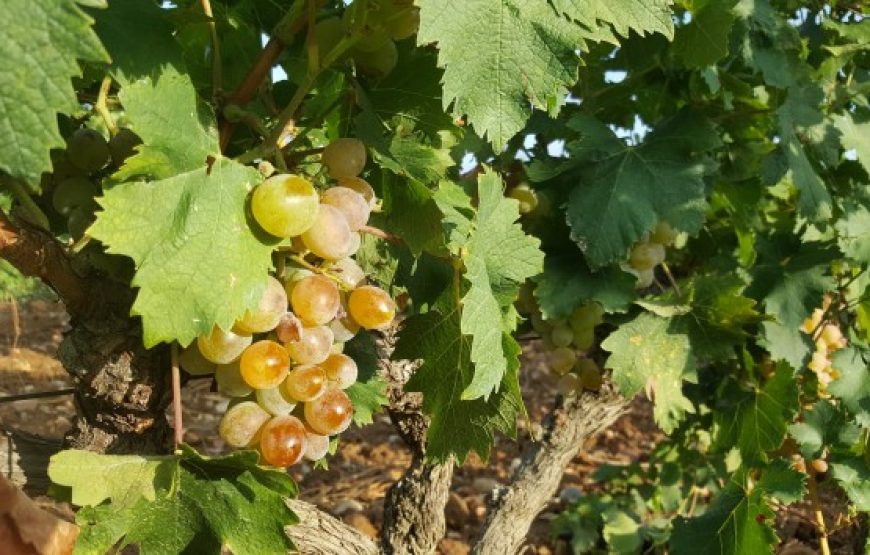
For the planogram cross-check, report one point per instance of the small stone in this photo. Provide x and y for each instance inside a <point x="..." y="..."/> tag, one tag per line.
<point x="477" y="506"/>
<point x="450" y="546"/>
<point x="456" y="511"/>
<point x="361" y="523"/>
<point x="484" y="485"/>
<point x="348" y="506"/>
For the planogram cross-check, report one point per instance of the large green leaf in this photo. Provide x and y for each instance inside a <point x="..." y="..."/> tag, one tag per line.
<point x="198" y="260"/>
<point x="853" y="475"/>
<point x="853" y="385"/>
<point x="704" y="41"/>
<point x="567" y="282"/>
<point x="640" y="16"/>
<point x="853" y="230"/>
<point x="855" y="135"/>
<point x="42" y="43"/>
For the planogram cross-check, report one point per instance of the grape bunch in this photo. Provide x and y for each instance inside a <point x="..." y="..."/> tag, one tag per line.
<point x="648" y="253"/>
<point x="828" y="338"/>
<point x="283" y="362"/>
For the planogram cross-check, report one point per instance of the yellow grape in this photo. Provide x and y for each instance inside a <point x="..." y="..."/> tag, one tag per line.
<point x="289" y="328"/>
<point x="241" y="425"/>
<point x="192" y="361"/>
<point x="341" y="370"/>
<point x="315" y="300"/>
<point x="405" y="25"/>
<point x="645" y="278"/>
<point x="813" y="322"/>
<point x="562" y="359"/>
<point x="820" y="466"/>
<point x="833" y="337"/>
<point x="371" y="307"/>
<point x="293" y="277"/>
<point x="285" y="205"/>
<point x="222" y="347"/>
<point x="264" y="364"/>
<point x="316" y="445"/>
<point x="230" y="382"/>
<point x="525" y="196"/>
<point x="282" y="441"/>
<point x="361" y="186"/>
<point x="305" y="383"/>
<point x="663" y="234"/>
<point x="329" y="414"/>
<point x="344" y="328"/>
<point x="312" y="347"/>
<point x="645" y="256"/>
<point x="378" y="63"/>
<point x="344" y="158"/>
<point x="348" y="271"/>
<point x="275" y="401"/>
<point x="355" y="208"/>
<point x="272" y="305"/>
<point x="330" y="236"/>
<point x="355" y="242"/>
<point x="819" y="363"/>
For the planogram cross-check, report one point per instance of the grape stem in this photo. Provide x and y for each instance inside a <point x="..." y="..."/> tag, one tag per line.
<point x="176" y="399"/>
<point x="812" y="489"/>
<point x="670" y="277"/>
<point x="300" y="260"/>
<point x="31" y="212"/>
<point x="102" y="108"/>
<point x="216" y="67"/>
<point x="381" y="234"/>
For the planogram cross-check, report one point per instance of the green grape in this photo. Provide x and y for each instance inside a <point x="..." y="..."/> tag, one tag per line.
<point x="645" y="278"/>
<point x="355" y="208"/>
<point x="562" y="359"/>
<point x="590" y="374"/>
<point x="329" y="414"/>
<point x="74" y="193"/>
<point x="527" y="198"/>
<point x="663" y="234"/>
<point x="123" y="145"/>
<point x="285" y="205"/>
<point x="568" y="384"/>
<point x="584" y="338"/>
<point x="87" y="150"/>
<point x="272" y="306"/>
<point x="312" y="347"/>
<point x="80" y="219"/>
<point x="341" y="370"/>
<point x="348" y="271"/>
<point x="361" y="186"/>
<point x="230" y="382"/>
<point x="540" y="325"/>
<point x="282" y="441"/>
<point x="645" y="256"/>
<point x="264" y="364"/>
<point x="328" y="33"/>
<point x="371" y="307"/>
<point x="315" y="300"/>
<point x="240" y="427"/>
<point x="192" y="361"/>
<point x="379" y="63"/>
<point x="329" y="237"/>
<point x="274" y="401"/>
<point x="316" y="445"/>
<point x="222" y="347"/>
<point x="586" y="316"/>
<point x="404" y="25"/>
<point x="305" y="383"/>
<point x="561" y="336"/>
<point x="344" y="158"/>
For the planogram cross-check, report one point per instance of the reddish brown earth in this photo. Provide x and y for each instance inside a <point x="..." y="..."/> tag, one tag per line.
<point x="369" y="460"/>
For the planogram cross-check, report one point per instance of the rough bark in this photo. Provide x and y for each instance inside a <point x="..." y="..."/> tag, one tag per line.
<point x="318" y="533"/>
<point x="513" y="509"/>
<point x="414" y="520"/>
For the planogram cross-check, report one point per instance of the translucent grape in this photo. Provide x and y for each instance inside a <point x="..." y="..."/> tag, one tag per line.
<point x="87" y="150"/>
<point x="329" y="237"/>
<point x="344" y="158"/>
<point x="525" y="196"/>
<point x="361" y="186"/>
<point x="305" y="383"/>
<point x="371" y="307"/>
<point x="562" y="359"/>
<point x="561" y="336"/>
<point x="273" y="305"/>
<point x="312" y="347"/>
<point x="540" y="325"/>
<point x="813" y="322"/>
<point x="123" y="145"/>
<point x="285" y="205"/>
<point x="282" y="441"/>
<point x="329" y="414"/>
<point x="74" y="193"/>
<point x="405" y="25"/>
<point x="819" y="363"/>
<point x="590" y="374"/>
<point x="380" y="62"/>
<point x="344" y="328"/>
<point x="293" y="277"/>
<point x="328" y="33"/>
<point x="663" y="234"/>
<point x="275" y="401"/>
<point x="192" y="361"/>
<point x="348" y="271"/>
<point x="316" y="446"/>
<point x="230" y="382"/>
<point x="289" y="328"/>
<point x="820" y="466"/>
<point x="242" y="423"/>
<point x="832" y="336"/>
<point x="645" y="256"/>
<point x="645" y="278"/>
<point x="355" y="243"/>
<point x="584" y="339"/>
<point x="355" y="208"/>
<point x="222" y="347"/>
<point x="586" y="316"/>
<point x="264" y="364"/>
<point x="568" y="384"/>
<point x="315" y="300"/>
<point x="341" y="370"/>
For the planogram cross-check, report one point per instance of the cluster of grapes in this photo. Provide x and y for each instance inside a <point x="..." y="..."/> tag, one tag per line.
<point x="74" y="181"/>
<point x="567" y="342"/>
<point x="283" y="361"/>
<point x="649" y="253"/>
<point x="382" y="23"/>
<point x="828" y="339"/>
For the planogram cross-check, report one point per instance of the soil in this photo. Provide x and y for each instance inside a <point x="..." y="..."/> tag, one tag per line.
<point x="369" y="460"/>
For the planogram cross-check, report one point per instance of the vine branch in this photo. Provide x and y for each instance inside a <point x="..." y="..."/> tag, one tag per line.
<point x="217" y="67"/>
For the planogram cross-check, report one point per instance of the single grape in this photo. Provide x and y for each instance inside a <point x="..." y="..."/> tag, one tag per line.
<point x="344" y="158"/>
<point x="663" y="234"/>
<point x="329" y="414"/>
<point x="348" y="271"/>
<point x="813" y="322"/>
<point x="820" y="466"/>
<point x="569" y="384"/>
<point x="832" y="336"/>
<point x="282" y="441"/>
<point x="305" y="383"/>
<point x="192" y="361"/>
<point x="222" y="347"/>
<point x="344" y="328"/>
<point x="380" y="62"/>
<point x="241" y="425"/>
<point x="285" y="205"/>
<point x="275" y="401"/>
<point x="404" y="25"/>
<point x="586" y="316"/>
<point x="355" y="242"/>
<point x="337" y="348"/>
<point x="540" y="325"/>
<point x="527" y="198"/>
<point x="230" y="382"/>
<point x="590" y="374"/>
<point x="371" y="307"/>
<point x="584" y="339"/>
<point x="272" y="305"/>
<point x="361" y="186"/>
<point x="123" y="145"/>
<point x="561" y="336"/>
<point x="355" y="208"/>
<point x="293" y="277"/>
<point x="74" y="193"/>
<point x="289" y="328"/>
<point x="316" y="445"/>
<point x="313" y="346"/>
<point x="645" y="278"/>
<point x="87" y="150"/>
<point x="562" y="359"/>
<point x="330" y="236"/>
<point x="645" y="256"/>
<point x="315" y="300"/>
<point x="80" y="219"/>
<point x="328" y="33"/>
<point x="341" y="370"/>
<point x="819" y="363"/>
<point x="264" y="364"/>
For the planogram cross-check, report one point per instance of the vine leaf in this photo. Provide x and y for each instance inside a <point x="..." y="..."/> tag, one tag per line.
<point x="853" y="384"/>
<point x="704" y="41"/>
<point x="853" y="475"/>
<point x="43" y="40"/>
<point x="567" y="282"/>
<point x="199" y="261"/>
<point x="647" y="354"/>
<point x="640" y="16"/>
<point x="369" y="393"/>
<point x="823" y="425"/>
<point x="853" y="230"/>
<point x="855" y="136"/>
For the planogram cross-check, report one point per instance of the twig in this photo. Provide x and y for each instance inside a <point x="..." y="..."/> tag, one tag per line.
<point x="36" y="395"/>
<point x="381" y="234"/>
<point x="817" y="509"/>
<point x="16" y="323"/>
<point x="176" y="398"/>
<point x="102" y="108"/>
<point x="216" y="68"/>
<point x="670" y="277"/>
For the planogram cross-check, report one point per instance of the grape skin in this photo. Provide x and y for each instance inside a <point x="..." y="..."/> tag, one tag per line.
<point x="315" y="300"/>
<point x="561" y="336"/>
<point x="230" y="382"/>
<point x="316" y="446"/>
<point x="73" y="193"/>
<point x="285" y="205"/>
<point x="274" y="401"/>
<point x="341" y="370"/>
<point x="361" y="186"/>
<point x="329" y="414"/>
<point x="329" y="237"/>
<point x="344" y="158"/>
<point x="282" y="441"/>
<point x="562" y="360"/>
<point x="404" y="25"/>
<point x="222" y="347"/>
<point x="264" y="364"/>
<point x="305" y="383"/>
<point x="272" y="305"/>
<point x="241" y="425"/>
<point x="87" y="150"/>
<point x="380" y="62"/>
<point x="344" y="329"/>
<point x="192" y="361"/>
<point x="645" y="256"/>
<point x="312" y="347"/>
<point x="371" y="307"/>
<point x="525" y="196"/>
<point x="350" y="203"/>
<point x="348" y="271"/>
